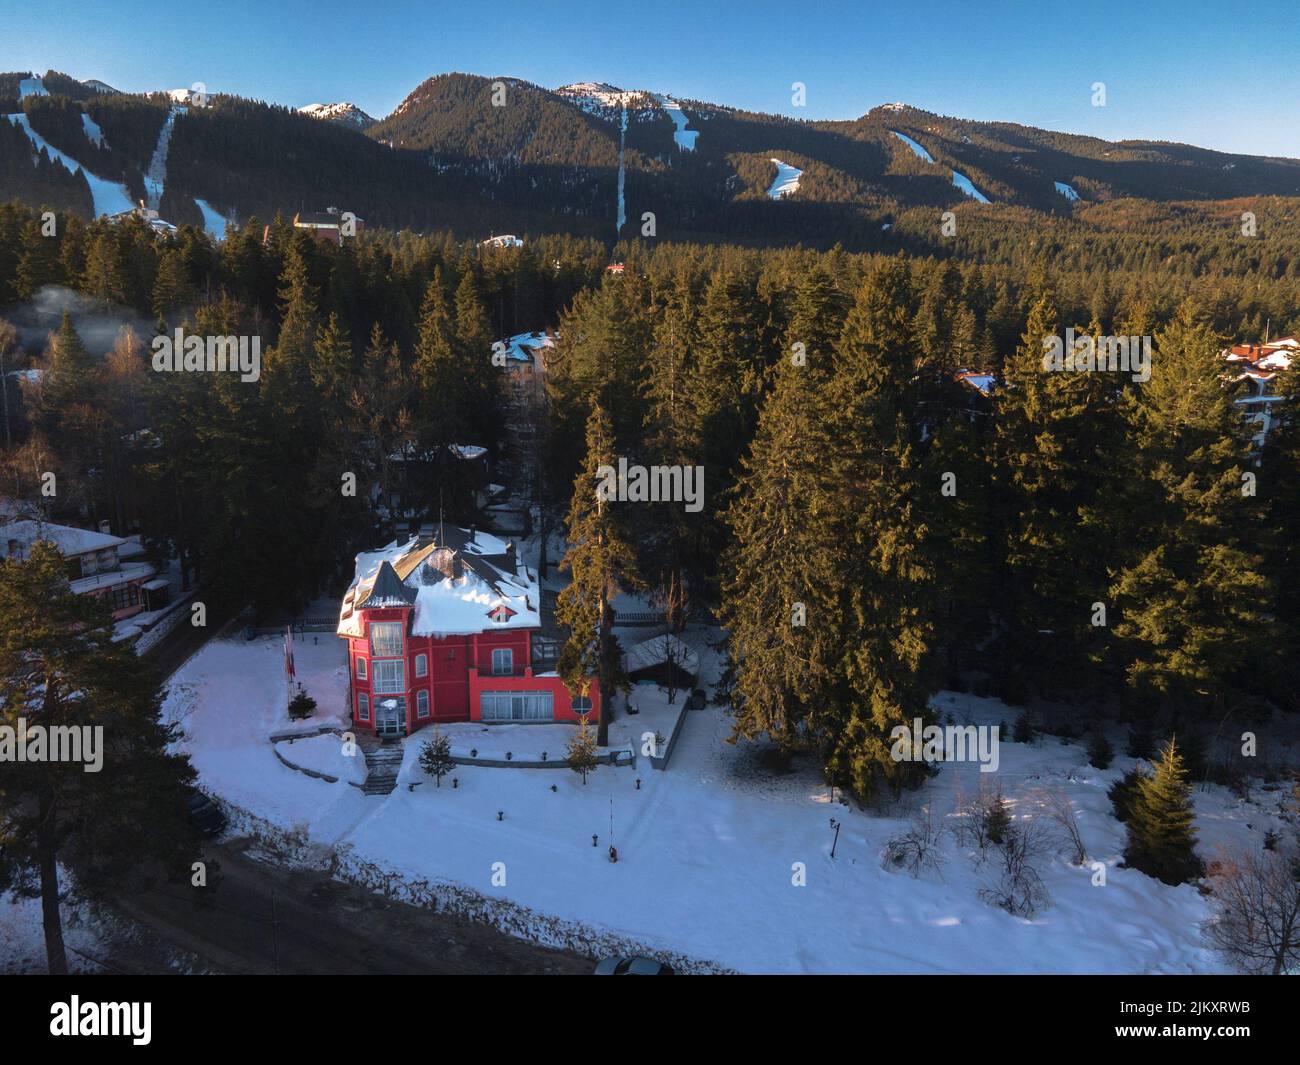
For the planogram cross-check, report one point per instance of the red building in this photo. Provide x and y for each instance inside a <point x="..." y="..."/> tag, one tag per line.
<point x="449" y="628"/>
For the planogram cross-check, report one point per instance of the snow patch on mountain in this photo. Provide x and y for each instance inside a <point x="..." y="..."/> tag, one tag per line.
<point x="213" y="220"/>
<point x="348" y="114"/>
<point x="684" y="137"/>
<point x="31" y="87"/>
<point x="108" y="197"/>
<point x="967" y="186"/>
<point x="604" y="100"/>
<point x="916" y="148"/>
<point x="1066" y="190"/>
<point x="786" y="180"/>
<point x="91" y="128"/>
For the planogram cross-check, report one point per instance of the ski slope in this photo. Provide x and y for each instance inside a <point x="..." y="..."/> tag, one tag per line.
<point x="684" y="137"/>
<point x="786" y="180"/>
<point x="109" y="197"/>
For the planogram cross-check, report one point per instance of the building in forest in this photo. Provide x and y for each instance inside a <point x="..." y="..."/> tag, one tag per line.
<point x="450" y="626"/>
<point x="1259" y="366"/>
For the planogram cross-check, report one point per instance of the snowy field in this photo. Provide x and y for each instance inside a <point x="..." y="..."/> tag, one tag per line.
<point x="708" y="849"/>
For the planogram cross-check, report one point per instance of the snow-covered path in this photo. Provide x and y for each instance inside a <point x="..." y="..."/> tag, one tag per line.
<point x="786" y="180"/>
<point x="213" y="220"/>
<point x="109" y="197"/>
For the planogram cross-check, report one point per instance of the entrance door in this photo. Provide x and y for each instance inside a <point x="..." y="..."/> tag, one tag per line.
<point x="390" y="716"/>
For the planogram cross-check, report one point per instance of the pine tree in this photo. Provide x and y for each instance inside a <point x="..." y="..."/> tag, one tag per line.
<point x="601" y="562"/>
<point x="435" y="755"/>
<point x="783" y="572"/>
<point x="60" y="667"/>
<point x="1161" y="836"/>
<point x="1194" y="603"/>
<point x="581" y="749"/>
<point x="887" y="580"/>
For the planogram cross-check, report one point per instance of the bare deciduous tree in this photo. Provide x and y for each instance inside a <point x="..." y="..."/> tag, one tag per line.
<point x="1060" y="810"/>
<point x="1257" y="928"/>
<point x="918" y="847"/>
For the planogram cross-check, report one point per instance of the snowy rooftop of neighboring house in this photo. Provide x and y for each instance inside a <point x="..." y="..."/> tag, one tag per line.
<point x="659" y="649"/>
<point x="69" y="540"/>
<point x="506" y="240"/>
<point x="980" y="380"/>
<point x="410" y="452"/>
<point x="124" y="574"/>
<point x="1273" y="355"/>
<point x="458" y="580"/>
<point x="521" y="346"/>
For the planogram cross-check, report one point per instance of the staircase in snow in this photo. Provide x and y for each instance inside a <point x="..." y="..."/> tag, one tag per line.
<point x="383" y="762"/>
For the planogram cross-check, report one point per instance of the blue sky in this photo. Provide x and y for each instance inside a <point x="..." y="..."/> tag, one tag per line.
<point x="1206" y="72"/>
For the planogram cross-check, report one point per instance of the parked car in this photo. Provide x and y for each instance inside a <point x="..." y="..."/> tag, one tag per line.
<point x="632" y="967"/>
<point x="205" y="814"/>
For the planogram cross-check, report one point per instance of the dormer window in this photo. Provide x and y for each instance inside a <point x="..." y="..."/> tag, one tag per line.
<point x="501" y="614"/>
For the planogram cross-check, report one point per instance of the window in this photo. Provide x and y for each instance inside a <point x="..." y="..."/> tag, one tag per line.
<point x="421" y="665"/>
<point x="516" y="706"/>
<point x="363" y="707"/>
<point x="503" y="662"/>
<point x="125" y="595"/>
<point x="385" y="639"/>
<point x="390" y="676"/>
<point x="422" y="704"/>
<point x="361" y="669"/>
<point x="581" y="704"/>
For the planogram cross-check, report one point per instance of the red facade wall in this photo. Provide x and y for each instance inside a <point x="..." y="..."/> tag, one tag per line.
<point x="459" y="670"/>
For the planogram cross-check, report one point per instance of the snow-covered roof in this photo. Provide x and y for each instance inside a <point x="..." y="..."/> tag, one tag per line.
<point x="69" y="540"/>
<point x="658" y="649"/>
<point x="455" y="580"/>
<point x="521" y="346"/>
<point x="506" y="240"/>
<point x="980" y="380"/>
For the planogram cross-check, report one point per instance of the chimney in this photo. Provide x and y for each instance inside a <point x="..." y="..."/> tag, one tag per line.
<point x="106" y="528"/>
<point x="510" y="557"/>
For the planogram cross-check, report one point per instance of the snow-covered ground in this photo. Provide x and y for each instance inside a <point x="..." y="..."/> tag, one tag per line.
<point x="109" y="197"/>
<point x="31" y="87"/>
<point x="709" y="849"/>
<point x="786" y="180"/>
<point x="684" y="137"/>
<point x="622" y="172"/>
<point x="1065" y="190"/>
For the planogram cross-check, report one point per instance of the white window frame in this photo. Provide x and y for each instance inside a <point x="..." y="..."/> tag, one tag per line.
<point x="361" y="670"/>
<point x="517" y="706"/>
<point x="363" y="706"/>
<point x="422" y="703"/>
<point x="389" y="676"/>
<point x="421" y="665"/>
<point x="385" y="627"/>
<point x="509" y="659"/>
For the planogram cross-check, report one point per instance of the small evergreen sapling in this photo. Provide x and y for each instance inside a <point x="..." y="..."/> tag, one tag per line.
<point x="301" y="706"/>
<point x="1024" y="732"/>
<point x="435" y="756"/>
<point x="581" y="750"/>
<point x="1161" y="836"/>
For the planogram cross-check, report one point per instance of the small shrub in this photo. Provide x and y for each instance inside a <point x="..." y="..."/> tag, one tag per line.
<point x="1100" y="752"/>
<point x="301" y="706"/>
